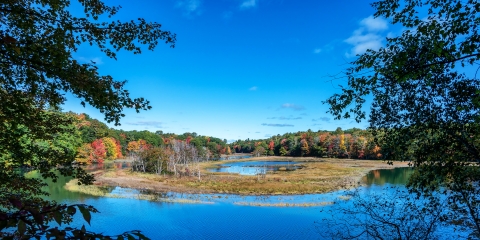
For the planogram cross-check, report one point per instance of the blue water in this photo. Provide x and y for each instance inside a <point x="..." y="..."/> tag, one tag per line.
<point x="231" y="157"/>
<point x="255" y="167"/>
<point x="220" y="216"/>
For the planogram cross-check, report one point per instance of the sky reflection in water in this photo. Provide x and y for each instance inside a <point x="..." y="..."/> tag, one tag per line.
<point x="219" y="217"/>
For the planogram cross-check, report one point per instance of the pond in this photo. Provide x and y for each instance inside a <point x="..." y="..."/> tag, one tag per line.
<point x="239" y="156"/>
<point x="256" y="167"/>
<point x="218" y="216"/>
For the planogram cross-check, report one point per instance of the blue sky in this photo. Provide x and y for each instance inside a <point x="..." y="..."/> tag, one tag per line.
<point x="241" y="68"/>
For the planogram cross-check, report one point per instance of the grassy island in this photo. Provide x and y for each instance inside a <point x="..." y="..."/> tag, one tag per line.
<point x="317" y="175"/>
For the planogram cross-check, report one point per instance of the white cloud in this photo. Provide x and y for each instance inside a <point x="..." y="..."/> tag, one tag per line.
<point x="191" y="7"/>
<point x="374" y="24"/>
<point x="323" y="119"/>
<point x="293" y="106"/>
<point x="254" y="88"/>
<point x="326" y="48"/>
<point x="248" y="4"/>
<point x="367" y="36"/>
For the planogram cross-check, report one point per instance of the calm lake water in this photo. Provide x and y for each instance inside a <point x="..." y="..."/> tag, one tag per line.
<point x="220" y="217"/>
<point x="256" y="167"/>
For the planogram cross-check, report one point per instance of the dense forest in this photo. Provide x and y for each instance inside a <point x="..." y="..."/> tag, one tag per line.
<point x="99" y="142"/>
<point x="92" y="141"/>
<point x="352" y="143"/>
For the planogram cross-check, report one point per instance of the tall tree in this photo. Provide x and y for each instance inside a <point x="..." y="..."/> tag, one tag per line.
<point x="37" y="41"/>
<point x="425" y="102"/>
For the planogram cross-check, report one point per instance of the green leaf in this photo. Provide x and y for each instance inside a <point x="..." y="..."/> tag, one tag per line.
<point x="58" y="217"/>
<point x="21" y="227"/>
<point x="120" y="237"/>
<point x="85" y="213"/>
<point x="71" y="210"/>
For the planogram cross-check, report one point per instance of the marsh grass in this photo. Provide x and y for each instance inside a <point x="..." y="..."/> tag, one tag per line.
<point x="316" y="176"/>
<point x="100" y="191"/>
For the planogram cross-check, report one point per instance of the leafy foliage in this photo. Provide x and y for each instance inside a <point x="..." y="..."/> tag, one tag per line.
<point x="37" y="41"/>
<point x="425" y="107"/>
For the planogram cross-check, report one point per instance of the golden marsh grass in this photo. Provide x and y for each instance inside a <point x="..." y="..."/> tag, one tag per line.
<point x="318" y="175"/>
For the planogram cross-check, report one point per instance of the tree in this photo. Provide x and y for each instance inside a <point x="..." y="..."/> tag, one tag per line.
<point x="259" y="151"/>
<point x="85" y="153"/>
<point x="425" y="103"/>
<point x="37" y="41"/>
<point x="110" y="147"/>
<point x="99" y="151"/>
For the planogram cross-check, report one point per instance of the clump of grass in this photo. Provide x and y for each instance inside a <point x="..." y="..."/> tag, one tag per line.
<point x="345" y="198"/>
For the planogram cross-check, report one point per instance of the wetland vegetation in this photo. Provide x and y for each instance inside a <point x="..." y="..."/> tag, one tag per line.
<point x="315" y="176"/>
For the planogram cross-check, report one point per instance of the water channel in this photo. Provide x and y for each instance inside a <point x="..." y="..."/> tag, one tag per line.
<point x="219" y="216"/>
<point x="256" y="167"/>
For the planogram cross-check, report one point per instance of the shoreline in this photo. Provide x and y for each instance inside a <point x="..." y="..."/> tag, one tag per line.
<point x="319" y="175"/>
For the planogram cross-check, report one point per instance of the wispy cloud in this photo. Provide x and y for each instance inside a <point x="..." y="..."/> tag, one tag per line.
<point x="276" y="125"/>
<point x="248" y="4"/>
<point x="286" y="118"/>
<point x="254" y="88"/>
<point x="146" y="124"/>
<point x="367" y="36"/>
<point x="293" y="106"/>
<point x="191" y="7"/>
<point x="326" y="48"/>
<point x="323" y="119"/>
<point x="374" y="24"/>
<point x="268" y="135"/>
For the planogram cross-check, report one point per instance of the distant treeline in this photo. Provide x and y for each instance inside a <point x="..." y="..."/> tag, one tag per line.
<point x="92" y="141"/>
<point x="352" y="143"/>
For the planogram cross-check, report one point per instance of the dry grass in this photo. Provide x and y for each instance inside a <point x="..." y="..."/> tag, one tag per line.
<point x="100" y="191"/>
<point x="318" y="175"/>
